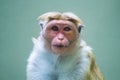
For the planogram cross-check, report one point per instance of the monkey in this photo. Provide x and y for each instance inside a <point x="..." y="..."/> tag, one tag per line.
<point x="59" y="53"/>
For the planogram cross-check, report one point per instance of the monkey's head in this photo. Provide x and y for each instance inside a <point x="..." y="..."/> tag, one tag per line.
<point x="60" y="31"/>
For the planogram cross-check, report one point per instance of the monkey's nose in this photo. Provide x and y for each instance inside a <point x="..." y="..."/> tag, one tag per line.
<point x="60" y="36"/>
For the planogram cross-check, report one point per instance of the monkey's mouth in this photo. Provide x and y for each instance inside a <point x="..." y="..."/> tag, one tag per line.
<point x="60" y="46"/>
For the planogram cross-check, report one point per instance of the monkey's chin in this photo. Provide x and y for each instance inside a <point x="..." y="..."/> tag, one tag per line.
<point x="59" y="49"/>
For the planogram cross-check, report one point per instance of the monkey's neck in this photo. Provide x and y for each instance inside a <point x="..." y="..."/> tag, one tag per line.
<point x="60" y="63"/>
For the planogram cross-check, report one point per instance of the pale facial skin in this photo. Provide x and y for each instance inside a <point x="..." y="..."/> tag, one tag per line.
<point x="60" y="34"/>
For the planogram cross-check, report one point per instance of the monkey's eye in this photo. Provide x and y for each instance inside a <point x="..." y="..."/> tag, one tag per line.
<point x="67" y="29"/>
<point x="55" y="28"/>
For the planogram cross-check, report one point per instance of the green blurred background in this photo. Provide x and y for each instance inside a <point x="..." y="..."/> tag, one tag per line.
<point x="18" y="25"/>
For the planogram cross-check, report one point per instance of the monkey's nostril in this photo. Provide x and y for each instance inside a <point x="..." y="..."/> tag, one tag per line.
<point x="60" y="38"/>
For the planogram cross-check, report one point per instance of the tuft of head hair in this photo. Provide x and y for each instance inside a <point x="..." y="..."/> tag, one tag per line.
<point x="69" y="16"/>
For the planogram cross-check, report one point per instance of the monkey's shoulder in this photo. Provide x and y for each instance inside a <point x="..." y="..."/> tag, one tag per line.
<point x="85" y="48"/>
<point x="86" y="53"/>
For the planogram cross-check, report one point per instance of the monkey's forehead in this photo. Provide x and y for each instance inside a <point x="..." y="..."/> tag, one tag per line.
<point x="60" y="16"/>
<point x="61" y="23"/>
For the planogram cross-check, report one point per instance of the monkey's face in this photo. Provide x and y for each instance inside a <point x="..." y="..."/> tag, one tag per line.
<point x="60" y="35"/>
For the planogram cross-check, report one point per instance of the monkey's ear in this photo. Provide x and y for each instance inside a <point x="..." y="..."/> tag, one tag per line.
<point x="80" y="27"/>
<point x="41" y="23"/>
